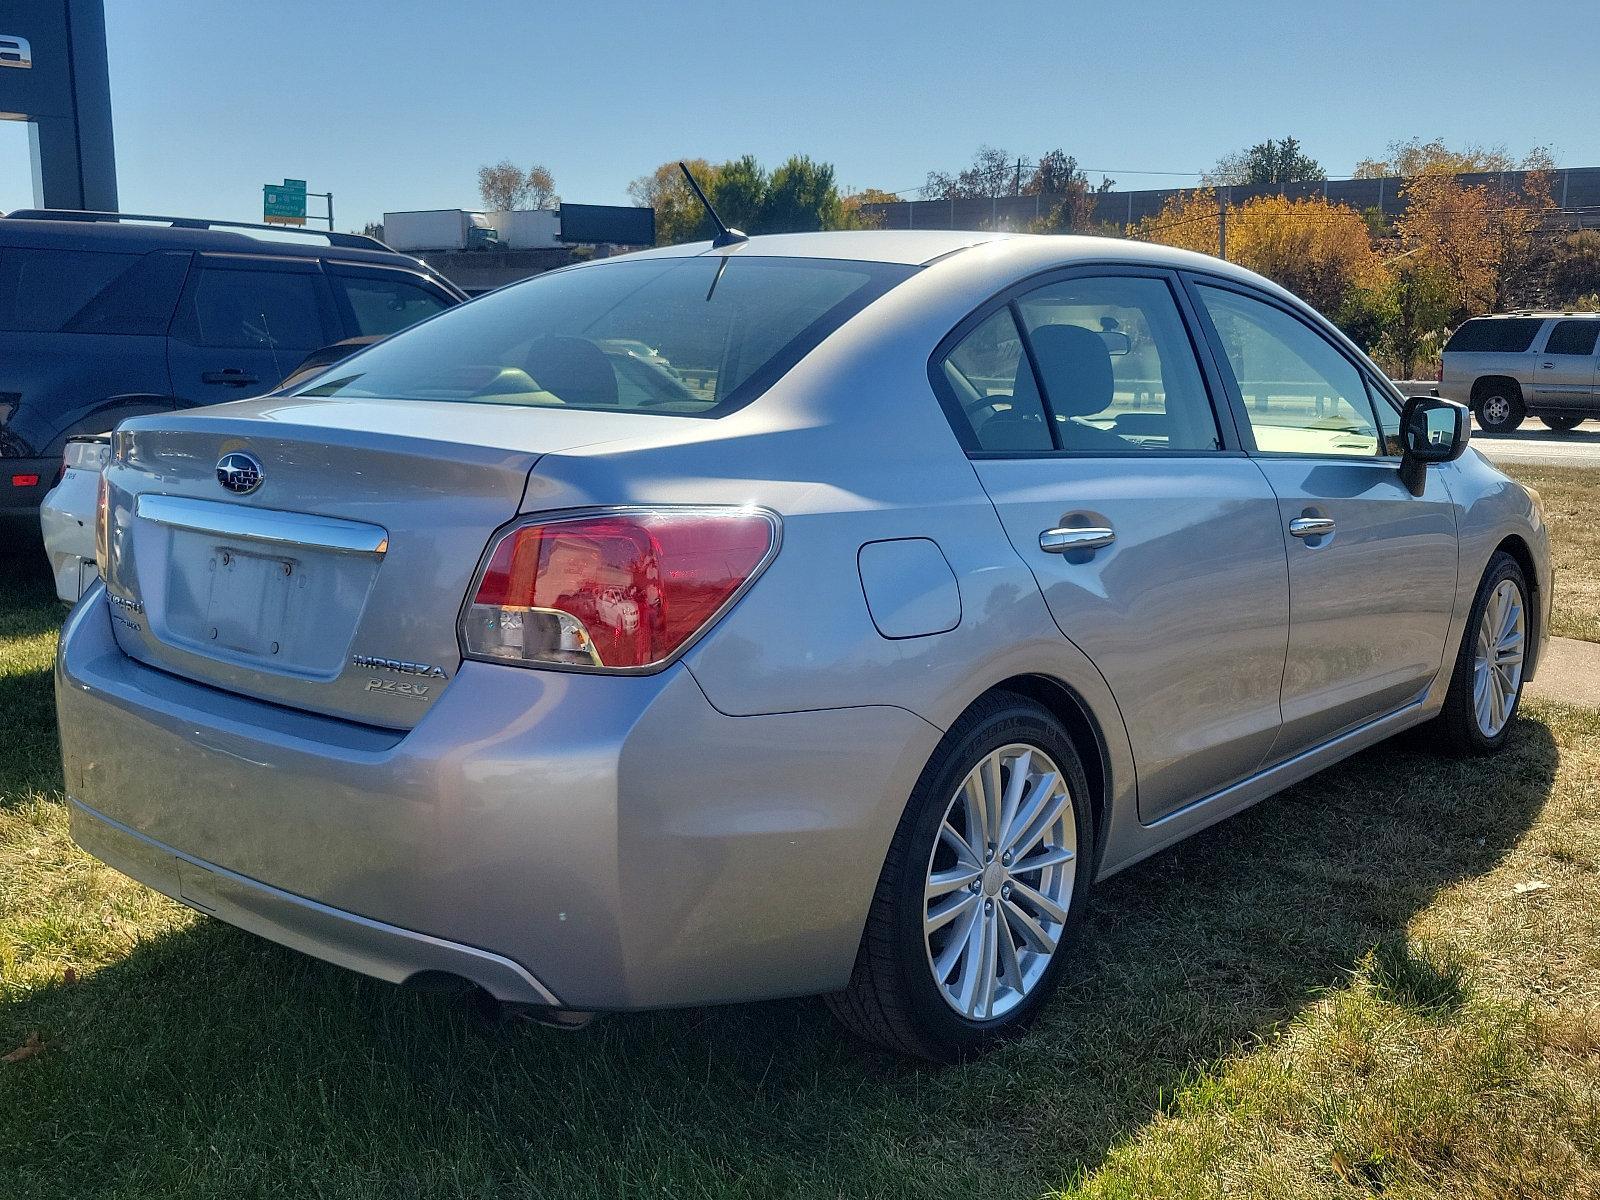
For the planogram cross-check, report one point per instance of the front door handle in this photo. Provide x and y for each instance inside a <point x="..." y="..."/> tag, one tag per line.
<point x="1304" y="527"/>
<point x="1064" y="541"/>
<point x="231" y="375"/>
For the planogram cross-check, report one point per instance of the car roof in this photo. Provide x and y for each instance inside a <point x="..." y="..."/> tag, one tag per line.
<point x="128" y="236"/>
<point x="923" y="247"/>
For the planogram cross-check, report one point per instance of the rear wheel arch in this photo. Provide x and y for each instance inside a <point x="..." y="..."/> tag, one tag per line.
<point x="1084" y="730"/>
<point x="1485" y="384"/>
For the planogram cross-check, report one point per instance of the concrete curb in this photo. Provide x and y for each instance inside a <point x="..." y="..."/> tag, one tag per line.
<point x="1569" y="674"/>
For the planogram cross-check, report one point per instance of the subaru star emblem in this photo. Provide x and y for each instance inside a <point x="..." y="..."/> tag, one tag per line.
<point x="239" y="472"/>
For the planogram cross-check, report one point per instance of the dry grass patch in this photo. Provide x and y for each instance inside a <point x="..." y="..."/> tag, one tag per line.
<point x="1572" y="506"/>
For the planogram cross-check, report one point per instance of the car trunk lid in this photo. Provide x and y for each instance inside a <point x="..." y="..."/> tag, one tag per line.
<point x="334" y="581"/>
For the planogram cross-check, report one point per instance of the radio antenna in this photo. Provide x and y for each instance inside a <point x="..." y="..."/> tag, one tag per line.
<point x="725" y="236"/>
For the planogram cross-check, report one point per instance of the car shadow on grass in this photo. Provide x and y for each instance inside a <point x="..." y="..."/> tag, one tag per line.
<point x="213" y="1063"/>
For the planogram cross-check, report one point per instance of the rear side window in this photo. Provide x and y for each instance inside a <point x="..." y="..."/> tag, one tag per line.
<point x="385" y="302"/>
<point x="713" y="330"/>
<point x="254" y="310"/>
<point x="41" y="291"/>
<point x="1512" y="335"/>
<point x="1572" y="337"/>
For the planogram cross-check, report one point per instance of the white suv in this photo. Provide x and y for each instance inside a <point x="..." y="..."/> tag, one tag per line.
<point x="1508" y="367"/>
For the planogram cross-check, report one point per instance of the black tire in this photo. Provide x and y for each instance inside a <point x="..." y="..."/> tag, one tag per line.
<point x="1456" y="727"/>
<point x="1498" y="407"/>
<point x="1561" y="423"/>
<point x="893" y="999"/>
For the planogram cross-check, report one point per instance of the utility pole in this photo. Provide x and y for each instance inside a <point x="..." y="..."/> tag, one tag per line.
<point x="1016" y="185"/>
<point x="1222" y="224"/>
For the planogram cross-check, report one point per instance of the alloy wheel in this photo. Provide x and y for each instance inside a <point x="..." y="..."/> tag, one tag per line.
<point x="999" y="882"/>
<point x="1497" y="664"/>
<point x="1496" y="409"/>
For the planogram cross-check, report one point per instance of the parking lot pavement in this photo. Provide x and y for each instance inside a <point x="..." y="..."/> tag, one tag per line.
<point x="1570" y="673"/>
<point x="1535" y="444"/>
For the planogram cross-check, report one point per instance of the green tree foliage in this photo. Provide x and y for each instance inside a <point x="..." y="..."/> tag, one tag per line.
<point x="800" y="196"/>
<point x="1575" y="268"/>
<point x="1267" y="162"/>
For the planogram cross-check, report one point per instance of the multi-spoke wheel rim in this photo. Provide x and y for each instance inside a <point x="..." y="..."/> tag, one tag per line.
<point x="1497" y="666"/>
<point x="1496" y="409"/>
<point x="999" y="882"/>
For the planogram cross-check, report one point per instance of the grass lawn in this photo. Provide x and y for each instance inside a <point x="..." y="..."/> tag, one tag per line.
<point x="1348" y="990"/>
<point x="1572" y="506"/>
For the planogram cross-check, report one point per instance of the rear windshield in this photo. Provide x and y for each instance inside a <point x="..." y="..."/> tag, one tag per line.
<point x="696" y="336"/>
<point x="1510" y="336"/>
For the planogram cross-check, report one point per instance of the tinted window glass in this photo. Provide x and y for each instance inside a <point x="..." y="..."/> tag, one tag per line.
<point x="993" y="386"/>
<point x="1118" y="368"/>
<point x="43" y="290"/>
<point x="1510" y="335"/>
<point x="715" y="331"/>
<point x="256" y="310"/>
<point x="1301" y="395"/>
<point x="1572" y="337"/>
<point x="139" y="301"/>
<point x="386" y="303"/>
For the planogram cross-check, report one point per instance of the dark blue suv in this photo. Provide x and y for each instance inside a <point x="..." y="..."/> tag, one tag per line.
<point x="105" y="316"/>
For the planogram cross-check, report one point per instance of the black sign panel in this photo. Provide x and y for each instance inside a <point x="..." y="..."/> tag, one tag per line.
<point x="581" y="223"/>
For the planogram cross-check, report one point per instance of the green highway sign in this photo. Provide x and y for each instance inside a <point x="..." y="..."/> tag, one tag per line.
<point x="284" y="203"/>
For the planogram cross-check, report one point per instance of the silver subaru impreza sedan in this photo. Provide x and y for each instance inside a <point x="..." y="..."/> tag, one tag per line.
<point x="815" y="613"/>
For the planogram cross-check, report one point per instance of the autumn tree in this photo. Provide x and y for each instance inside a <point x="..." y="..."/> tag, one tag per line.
<point x="1416" y="157"/>
<point x="1483" y="237"/>
<point x="1319" y="251"/>
<point x="680" y="217"/>
<point x="505" y="187"/>
<point x="854" y="214"/>
<point x="1267" y="162"/>
<point x="1187" y="220"/>
<point x="992" y="173"/>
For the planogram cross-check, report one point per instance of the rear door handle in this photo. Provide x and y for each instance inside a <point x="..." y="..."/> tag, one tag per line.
<point x="231" y="375"/>
<point x="1304" y="527"/>
<point x="1064" y="541"/>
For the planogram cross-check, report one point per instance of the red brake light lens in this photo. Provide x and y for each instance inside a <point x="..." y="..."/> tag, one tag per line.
<point x="622" y="590"/>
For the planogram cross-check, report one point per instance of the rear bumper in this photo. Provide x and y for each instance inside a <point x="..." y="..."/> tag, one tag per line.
<point x="371" y="947"/>
<point x="615" y="842"/>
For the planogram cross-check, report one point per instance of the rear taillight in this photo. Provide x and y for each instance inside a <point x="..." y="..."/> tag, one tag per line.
<point x="619" y="591"/>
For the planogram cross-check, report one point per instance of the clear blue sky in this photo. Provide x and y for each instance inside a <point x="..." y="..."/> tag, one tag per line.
<point x="394" y="105"/>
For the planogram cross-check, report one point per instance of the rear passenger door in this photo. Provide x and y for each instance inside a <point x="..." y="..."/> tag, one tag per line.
<point x="1564" y="372"/>
<point x="246" y="321"/>
<point x="1372" y="568"/>
<point x="1088" y="416"/>
<point x="377" y="301"/>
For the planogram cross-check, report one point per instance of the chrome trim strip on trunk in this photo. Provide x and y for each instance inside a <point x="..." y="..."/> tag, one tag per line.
<point x="264" y="524"/>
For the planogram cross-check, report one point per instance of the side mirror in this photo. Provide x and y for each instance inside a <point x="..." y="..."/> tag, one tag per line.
<point x="1432" y="430"/>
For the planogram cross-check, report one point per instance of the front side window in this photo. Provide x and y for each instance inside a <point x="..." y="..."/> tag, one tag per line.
<point x="1118" y="369"/>
<point x="691" y="336"/>
<point x="255" y="310"/>
<point x="1572" y="337"/>
<point x="386" y="302"/>
<point x="1301" y="395"/>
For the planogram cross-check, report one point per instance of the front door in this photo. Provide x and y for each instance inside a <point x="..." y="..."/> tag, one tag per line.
<point x="245" y="322"/>
<point x="1158" y="549"/>
<point x="1372" y="568"/>
<point x="1564" y="373"/>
